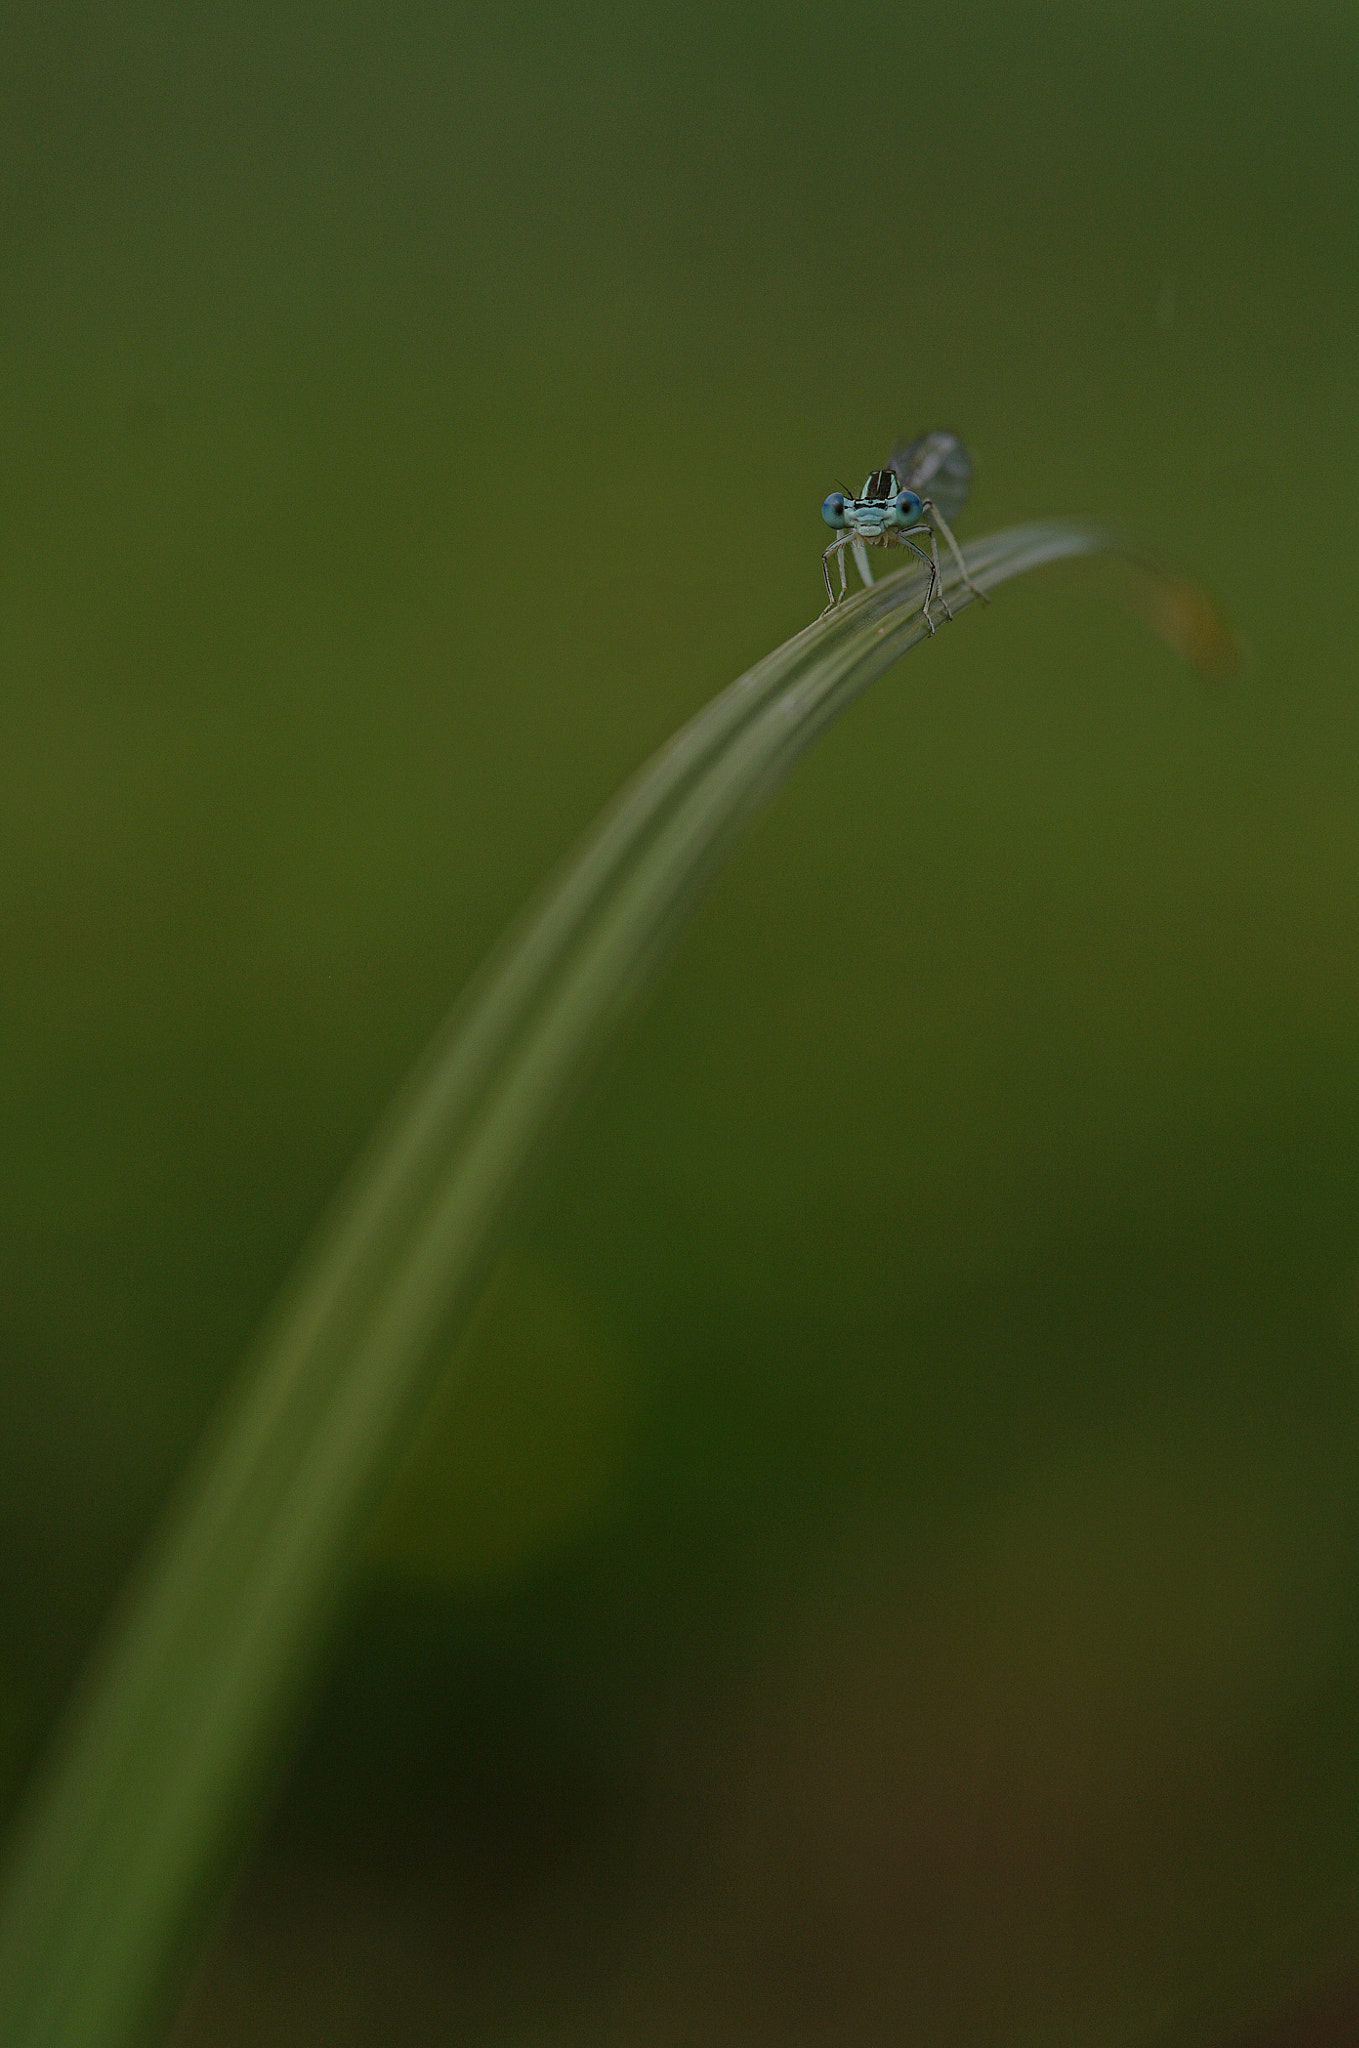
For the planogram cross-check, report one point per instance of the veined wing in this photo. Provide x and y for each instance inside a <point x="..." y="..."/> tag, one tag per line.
<point x="936" y="466"/>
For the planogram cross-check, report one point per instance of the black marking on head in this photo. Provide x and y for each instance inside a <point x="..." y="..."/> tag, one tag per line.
<point x="880" y="486"/>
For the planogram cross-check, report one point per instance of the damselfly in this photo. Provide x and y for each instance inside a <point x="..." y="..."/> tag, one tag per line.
<point x="921" y="489"/>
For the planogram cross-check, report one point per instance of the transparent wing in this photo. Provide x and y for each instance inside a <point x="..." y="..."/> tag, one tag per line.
<point x="936" y="466"/>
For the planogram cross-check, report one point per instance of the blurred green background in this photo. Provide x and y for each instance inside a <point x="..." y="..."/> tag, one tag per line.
<point x="887" y="1564"/>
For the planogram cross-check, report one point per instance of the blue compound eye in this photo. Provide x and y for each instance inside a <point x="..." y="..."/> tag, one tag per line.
<point x="833" y="511"/>
<point x="908" y="509"/>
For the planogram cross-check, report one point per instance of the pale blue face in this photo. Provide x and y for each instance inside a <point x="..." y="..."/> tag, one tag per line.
<point x="872" y="515"/>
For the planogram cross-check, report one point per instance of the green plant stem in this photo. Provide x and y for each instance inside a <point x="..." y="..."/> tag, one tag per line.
<point x="146" y="1795"/>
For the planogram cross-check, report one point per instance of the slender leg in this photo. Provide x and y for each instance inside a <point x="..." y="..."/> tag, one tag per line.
<point x="947" y="531"/>
<point x="932" y="564"/>
<point x="938" y="578"/>
<point x="836" y="548"/>
<point x="860" y="553"/>
<point x="919" y="553"/>
<point x="825" y="571"/>
<point x="906" y="542"/>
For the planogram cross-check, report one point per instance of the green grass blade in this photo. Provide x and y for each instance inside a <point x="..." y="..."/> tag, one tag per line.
<point x="135" y="1818"/>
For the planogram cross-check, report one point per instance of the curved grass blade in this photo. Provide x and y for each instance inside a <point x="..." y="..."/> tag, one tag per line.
<point x="147" y="1794"/>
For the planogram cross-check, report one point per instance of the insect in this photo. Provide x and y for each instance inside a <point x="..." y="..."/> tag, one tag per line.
<point x="923" y="486"/>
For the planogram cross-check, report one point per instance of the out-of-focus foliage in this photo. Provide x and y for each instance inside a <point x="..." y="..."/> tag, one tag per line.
<point x="523" y="1447"/>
